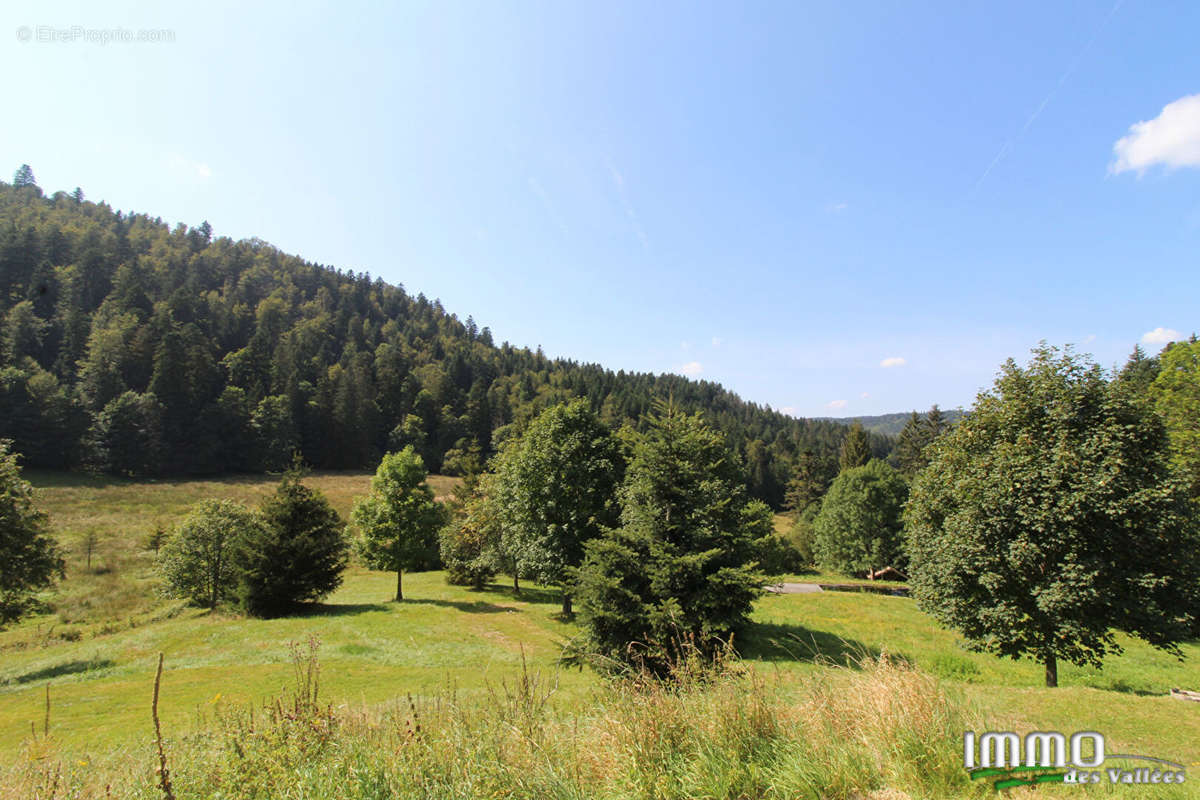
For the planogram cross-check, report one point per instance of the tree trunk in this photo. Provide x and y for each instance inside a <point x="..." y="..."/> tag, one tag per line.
<point x="516" y="584"/>
<point x="399" y="586"/>
<point x="1051" y="661"/>
<point x="566" y="609"/>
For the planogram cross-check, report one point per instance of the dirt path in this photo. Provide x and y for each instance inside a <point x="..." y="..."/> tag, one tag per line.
<point x="794" y="588"/>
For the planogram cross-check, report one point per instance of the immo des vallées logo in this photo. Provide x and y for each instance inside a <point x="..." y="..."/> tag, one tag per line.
<point x="1052" y="757"/>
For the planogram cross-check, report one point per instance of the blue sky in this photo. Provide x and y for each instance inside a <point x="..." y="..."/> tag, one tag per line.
<point x="834" y="208"/>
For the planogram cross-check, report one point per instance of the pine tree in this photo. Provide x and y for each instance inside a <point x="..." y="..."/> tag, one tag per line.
<point x="856" y="449"/>
<point x="806" y="486"/>
<point x="24" y="177"/>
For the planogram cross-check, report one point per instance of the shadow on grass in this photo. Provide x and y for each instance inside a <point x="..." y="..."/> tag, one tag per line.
<point x="332" y="610"/>
<point x="477" y="607"/>
<point x="529" y="594"/>
<point x="771" y="641"/>
<point x="65" y="668"/>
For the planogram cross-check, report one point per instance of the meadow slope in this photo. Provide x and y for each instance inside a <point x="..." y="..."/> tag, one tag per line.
<point x="96" y="655"/>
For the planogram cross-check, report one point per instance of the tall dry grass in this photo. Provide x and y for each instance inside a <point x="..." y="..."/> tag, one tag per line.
<point x="878" y="729"/>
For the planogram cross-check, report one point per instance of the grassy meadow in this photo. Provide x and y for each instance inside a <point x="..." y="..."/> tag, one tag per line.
<point x="835" y="694"/>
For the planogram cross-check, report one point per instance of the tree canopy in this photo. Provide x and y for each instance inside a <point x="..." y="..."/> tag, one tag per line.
<point x="859" y="527"/>
<point x="29" y="557"/>
<point x="1049" y="516"/>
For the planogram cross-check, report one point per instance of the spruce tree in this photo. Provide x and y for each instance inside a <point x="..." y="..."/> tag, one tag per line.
<point x="855" y="450"/>
<point x="24" y="177"/>
<point x="297" y="556"/>
<point x="911" y="445"/>
<point x="1140" y="370"/>
<point x="805" y="486"/>
<point x="935" y="423"/>
<point x="680" y="569"/>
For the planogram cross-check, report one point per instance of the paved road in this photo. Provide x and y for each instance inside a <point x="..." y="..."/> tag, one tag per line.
<point x="794" y="588"/>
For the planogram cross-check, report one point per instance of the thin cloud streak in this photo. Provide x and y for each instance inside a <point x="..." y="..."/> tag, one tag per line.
<point x="1007" y="147"/>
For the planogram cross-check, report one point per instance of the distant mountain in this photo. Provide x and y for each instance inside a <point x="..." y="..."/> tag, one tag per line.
<point x="891" y="424"/>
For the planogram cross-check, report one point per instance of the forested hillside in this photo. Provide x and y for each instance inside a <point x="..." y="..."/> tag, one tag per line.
<point x="136" y="348"/>
<point x="891" y="424"/>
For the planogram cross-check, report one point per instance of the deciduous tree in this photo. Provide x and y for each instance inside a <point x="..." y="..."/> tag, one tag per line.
<point x="399" y="519"/>
<point x="858" y="529"/>
<point x="556" y="490"/>
<point x="1048" y="517"/>
<point x="29" y="558"/>
<point x="1176" y="395"/>
<point x="200" y="561"/>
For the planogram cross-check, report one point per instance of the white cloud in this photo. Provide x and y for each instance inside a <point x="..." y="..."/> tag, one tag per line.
<point x="691" y="369"/>
<point x="865" y="395"/>
<point x="893" y="361"/>
<point x="1172" y="139"/>
<point x="836" y="207"/>
<point x="188" y="168"/>
<point x="685" y="345"/>
<point x="716" y="340"/>
<point x="836" y="404"/>
<point x="789" y="410"/>
<point x="1091" y="337"/>
<point x="1161" y="335"/>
